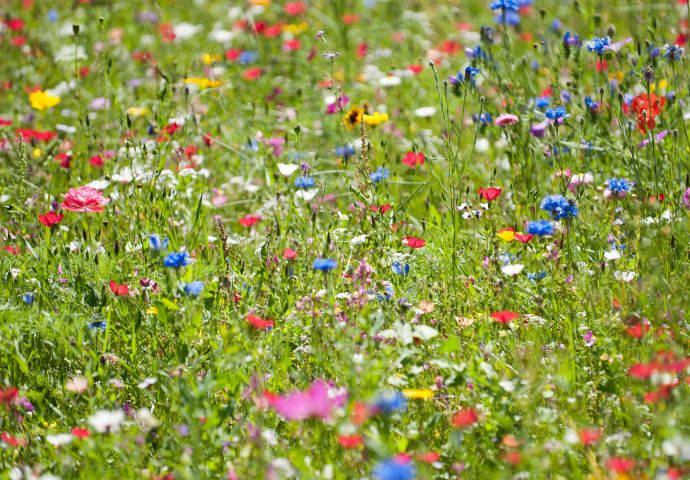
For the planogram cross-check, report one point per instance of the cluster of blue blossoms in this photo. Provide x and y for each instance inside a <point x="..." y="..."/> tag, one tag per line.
<point x="559" y="207"/>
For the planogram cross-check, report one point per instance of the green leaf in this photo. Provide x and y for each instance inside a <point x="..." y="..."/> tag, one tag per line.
<point x="449" y="345"/>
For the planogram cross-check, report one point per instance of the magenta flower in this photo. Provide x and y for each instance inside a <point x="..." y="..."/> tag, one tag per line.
<point x="315" y="402"/>
<point x="506" y="119"/>
<point x="84" y="199"/>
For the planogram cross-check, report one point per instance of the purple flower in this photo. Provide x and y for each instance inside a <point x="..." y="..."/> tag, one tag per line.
<point x="589" y="339"/>
<point x="539" y="130"/>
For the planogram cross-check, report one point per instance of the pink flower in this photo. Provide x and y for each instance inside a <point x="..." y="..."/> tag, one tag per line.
<point x="315" y="402"/>
<point x="506" y="119"/>
<point x="84" y="199"/>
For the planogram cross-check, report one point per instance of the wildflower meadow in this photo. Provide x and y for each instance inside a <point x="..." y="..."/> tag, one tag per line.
<point x="344" y="239"/>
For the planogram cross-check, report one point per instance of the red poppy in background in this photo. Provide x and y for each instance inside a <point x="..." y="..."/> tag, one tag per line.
<point x="272" y="31"/>
<point x="450" y="47"/>
<point x="360" y="413"/>
<point x="291" y="45"/>
<point x="523" y="238"/>
<point x="381" y="209"/>
<point x="638" y="330"/>
<point x="504" y="317"/>
<point x="589" y="436"/>
<point x="620" y="464"/>
<point x="15" y="24"/>
<point x="489" y="193"/>
<point x="249" y="220"/>
<point x="361" y="50"/>
<point x="166" y="31"/>
<point x="643" y="370"/>
<point x="430" y="457"/>
<point x="15" y="442"/>
<point x="350" y="19"/>
<point x="80" y="432"/>
<point x="172" y="128"/>
<point x="290" y="254"/>
<point x="295" y="8"/>
<point x="50" y="219"/>
<point x="8" y="395"/>
<point x="232" y="54"/>
<point x="416" y="68"/>
<point x="349" y="441"/>
<point x="252" y="73"/>
<point x="514" y="457"/>
<point x="13" y="250"/>
<point x="413" y="159"/>
<point x="464" y="418"/>
<point x="413" y="242"/>
<point x="259" y="322"/>
<point x="119" y="290"/>
<point x="4" y="123"/>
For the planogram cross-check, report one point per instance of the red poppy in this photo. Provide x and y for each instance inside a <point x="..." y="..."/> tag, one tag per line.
<point x="233" y="54"/>
<point x="350" y="19"/>
<point x="4" y="123"/>
<point x="464" y="418"/>
<point x="360" y="413"/>
<point x="652" y="104"/>
<point x="80" y="432"/>
<point x="514" y="457"/>
<point x="208" y="139"/>
<point x="295" y="8"/>
<point x="290" y="254"/>
<point x="510" y="441"/>
<point x="413" y="159"/>
<point x="15" y="442"/>
<point x="504" y="317"/>
<point x="676" y="367"/>
<point x="381" y="209"/>
<point x="84" y="71"/>
<point x="18" y="41"/>
<point x="15" y="24"/>
<point x="64" y="159"/>
<point x="96" y="161"/>
<point x="489" y="193"/>
<point x="413" y="242"/>
<point x="50" y="219"/>
<point x="430" y="457"/>
<point x="349" y="441"/>
<point x="29" y="134"/>
<point x="416" y="68"/>
<point x="589" y="436"/>
<point x="13" y="250"/>
<point x="236" y="297"/>
<point x="642" y="370"/>
<point x="259" y="322"/>
<point x="249" y="220"/>
<point x="523" y="238"/>
<point x="361" y="50"/>
<point x="8" y="395"/>
<point x="252" y="73"/>
<point x="292" y="45"/>
<point x="450" y="47"/>
<point x="272" y="31"/>
<point x="664" y="393"/>
<point x="191" y="150"/>
<point x="172" y="128"/>
<point x="118" y="290"/>
<point x="601" y="67"/>
<point x="638" y="330"/>
<point x="166" y="31"/>
<point x="620" y="464"/>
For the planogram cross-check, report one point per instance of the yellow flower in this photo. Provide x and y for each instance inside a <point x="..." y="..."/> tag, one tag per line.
<point x="421" y="394"/>
<point x="137" y="111"/>
<point x="209" y="58"/>
<point x="296" y="29"/>
<point x="265" y="3"/>
<point x="37" y="152"/>
<point x="41" y="100"/>
<point x="152" y="310"/>
<point x="205" y="82"/>
<point x="353" y="117"/>
<point x="507" y="235"/>
<point x="375" y="119"/>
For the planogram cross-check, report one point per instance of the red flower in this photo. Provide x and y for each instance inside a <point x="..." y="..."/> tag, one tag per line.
<point x="166" y="32"/>
<point x="172" y="128"/>
<point x="96" y="161"/>
<point x="381" y="209"/>
<point x="514" y="457"/>
<point x="272" y="31"/>
<point x="232" y="54"/>
<point x="50" y="219"/>
<point x="259" y="322"/>
<point x="4" y="123"/>
<point x="350" y="19"/>
<point x="643" y="371"/>
<point x="249" y="220"/>
<point x="64" y="160"/>
<point x="8" y="395"/>
<point x="413" y="242"/>
<point x="413" y="159"/>
<point x="292" y="45"/>
<point x="360" y="413"/>
<point x="620" y="464"/>
<point x="589" y="436"/>
<point x="191" y="150"/>
<point x="504" y="317"/>
<point x="15" y="24"/>
<point x="450" y="47"/>
<point x="80" y="432"/>
<point x="29" y="134"/>
<point x="13" y="250"/>
<point x="15" y="442"/>
<point x="84" y="71"/>
<point x="362" y="50"/>
<point x="489" y="193"/>
<point x="523" y="238"/>
<point x="252" y="73"/>
<point x="430" y="457"/>
<point x="464" y="418"/>
<point x="295" y="8"/>
<point x="289" y="254"/>
<point x="416" y="68"/>
<point x="119" y="290"/>
<point x="652" y="104"/>
<point x="349" y="441"/>
<point x="638" y="330"/>
<point x="236" y="297"/>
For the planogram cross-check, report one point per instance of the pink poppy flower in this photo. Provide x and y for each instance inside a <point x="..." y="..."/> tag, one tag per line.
<point x="84" y="199"/>
<point x="506" y="119"/>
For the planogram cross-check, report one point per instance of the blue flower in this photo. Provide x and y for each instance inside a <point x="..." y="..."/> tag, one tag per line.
<point x="484" y="118"/>
<point x="542" y="102"/>
<point x="537" y="276"/>
<point x="470" y="72"/>
<point x="325" y="264"/>
<point x="673" y="53"/>
<point x="177" y="260"/>
<point x="620" y="185"/>
<point x="156" y="243"/>
<point x="98" y="325"/>
<point x="304" y="182"/>
<point x="475" y="52"/>
<point x="345" y="151"/>
<point x="247" y="57"/>
<point x="511" y="17"/>
<point x="598" y="45"/>
<point x="394" y="469"/>
<point x="565" y="96"/>
<point x="571" y="40"/>
<point x="379" y="175"/>
<point x="559" y="207"/>
<point x="29" y="298"/>
<point x="504" y="5"/>
<point x="591" y="104"/>
<point x="388" y="402"/>
<point x="52" y="15"/>
<point x="540" y="227"/>
<point x="399" y="269"/>
<point x="557" y="113"/>
<point x="193" y="288"/>
<point x="556" y="25"/>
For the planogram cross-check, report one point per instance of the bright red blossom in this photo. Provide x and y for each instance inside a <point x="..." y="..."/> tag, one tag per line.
<point x="504" y="317"/>
<point x="118" y="290"/>
<point x="349" y="441"/>
<point x="413" y="159"/>
<point x="259" y="322"/>
<point x="464" y="418"/>
<point x="413" y="242"/>
<point x="489" y="193"/>
<point x="249" y="220"/>
<point x="50" y="219"/>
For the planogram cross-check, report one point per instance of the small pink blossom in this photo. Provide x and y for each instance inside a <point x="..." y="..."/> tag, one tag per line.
<point x="84" y="199"/>
<point x="506" y="119"/>
<point x="316" y="402"/>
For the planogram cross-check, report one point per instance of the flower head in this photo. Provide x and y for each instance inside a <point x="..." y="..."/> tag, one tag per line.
<point x="618" y="185"/>
<point x="598" y="45"/>
<point x="156" y="243"/>
<point x="304" y="182"/>
<point x="673" y="53"/>
<point x="50" y="219"/>
<point x="380" y="174"/>
<point x="84" y="199"/>
<point x="504" y="5"/>
<point x="325" y="264"/>
<point x="506" y="119"/>
<point x="396" y="468"/>
<point x="41" y="100"/>
<point x="559" y="207"/>
<point x="540" y="227"/>
<point x="556" y="113"/>
<point x="194" y="288"/>
<point x="177" y="260"/>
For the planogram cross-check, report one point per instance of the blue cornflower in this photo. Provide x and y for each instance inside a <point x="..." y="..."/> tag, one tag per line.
<point x="394" y="469"/>
<point x="559" y="207"/>
<point x="483" y="118"/>
<point x="193" y="288"/>
<point x="537" y="276"/>
<point x="673" y="53"/>
<point x="542" y="102"/>
<point x="177" y="260"/>
<point x="325" y="264"/>
<point x="247" y="57"/>
<point x="97" y="325"/>
<point x="565" y="96"/>
<point x="399" y="269"/>
<point x="591" y="104"/>
<point x="540" y="227"/>
<point x="29" y="298"/>
<point x="346" y="151"/>
<point x="304" y="182"/>
<point x="511" y="17"/>
<point x="470" y="73"/>
<point x="388" y="293"/>
<point x="388" y="402"/>
<point x="504" y="5"/>
<point x="571" y="40"/>
<point x="557" y="113"/>
<point x="379" y="175"/>
<point x="156" y="243"/>
<point x="620" y="185"/>
<point x="475" y="52"/>
<point x="598" y="45"/>
<point x="535" y="65"/>
<point x="556" y="25"/>
<point x="52" y="15"/>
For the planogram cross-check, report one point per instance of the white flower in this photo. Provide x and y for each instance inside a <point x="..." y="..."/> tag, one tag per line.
<point x="148" y="382"/>
<point x="343" y="295"/>
<point x="425" y="112"/>
<point x="185" y="30"/>
<point x="105" y="421"/>
<point x="625" y="276"/>
<point x="612" y="255"/>
<point x="482" y="145"/>
<point x="60" y="439"/>
<point x="146" y="419"/>
<point x="77" y="384"/>
<point x="307" y="195"/>
<point x="287" y="169"/>
<point x="507" y="385"/>
<point x="15" y="272"/>
<point x="65" y="128"/>
<point x="512" y="269"/>
<point x="251" y="188"/>
<point x="67" y="53"/>
<point x="99" y="184"/>
<point x="390" y="81"/>
<point x="359" y="240"/>
<point x="221" y="36"/>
